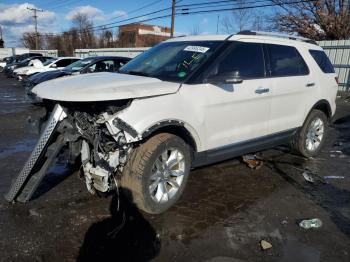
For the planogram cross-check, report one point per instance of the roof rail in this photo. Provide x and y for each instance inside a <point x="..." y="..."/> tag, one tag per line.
<point x="291" y="37"/>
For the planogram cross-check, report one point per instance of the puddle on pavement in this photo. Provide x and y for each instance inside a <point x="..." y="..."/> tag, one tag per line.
<point x="213" y="194"/>
<point x="20" y="147"/>
<point x="294" y="251"/>
<point x="11" y="102"/>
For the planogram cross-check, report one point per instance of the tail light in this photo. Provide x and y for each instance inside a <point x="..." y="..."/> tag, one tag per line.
<point x="336" y="80"/>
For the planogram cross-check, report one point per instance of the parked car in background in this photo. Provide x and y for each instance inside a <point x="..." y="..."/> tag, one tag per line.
<point x="25" y="62"/>
<point x="83" y="66"/>
<point x="49" y="65"/>
<point x="3" y="62"/>
<point x="17" y="59"/>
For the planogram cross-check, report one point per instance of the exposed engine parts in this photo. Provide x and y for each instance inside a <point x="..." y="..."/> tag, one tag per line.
<point x="95" y="134"/>
<point x="104" y="148"/>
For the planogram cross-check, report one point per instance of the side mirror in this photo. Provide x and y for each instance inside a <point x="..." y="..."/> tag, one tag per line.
<point x="53" y="66"/>
<point x="231" y="78"/>
<point x="234" y="79"/>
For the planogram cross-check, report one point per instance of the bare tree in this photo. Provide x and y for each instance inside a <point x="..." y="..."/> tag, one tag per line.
<point x="106" y="39"/>
<point x="239" y="20"/>
<point x="84" y="26"/>
<point x="260" y="23"/>
<point x="196" y="30"/>
<point x="28" y="40"/>
<point x="319" y="20"/>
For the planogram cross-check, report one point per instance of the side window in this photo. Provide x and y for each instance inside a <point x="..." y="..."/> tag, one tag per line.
<point x="101" y="66"/>
<point x="118" y="64"/>
<point x="63" y="62"/>
<point x="322" y="60"/>
<point x="286" y="61"/>
<point x="246" y="58"/>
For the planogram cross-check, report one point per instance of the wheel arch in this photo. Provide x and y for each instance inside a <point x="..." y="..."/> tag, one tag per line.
<point x="324" y="106"/>
<point x="175" y="127"/>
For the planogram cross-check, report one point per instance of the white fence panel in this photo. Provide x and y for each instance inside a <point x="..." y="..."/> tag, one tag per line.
<point x="338" y="52"/>
<point x="5" y="52"/>
<point x="53" y="53"/>
<point x="125" y="52"/>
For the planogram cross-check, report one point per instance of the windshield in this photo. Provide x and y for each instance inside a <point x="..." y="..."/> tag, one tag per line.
<point x="49" y="62"/>
<point x="171" y="61"/>
<point x="76" y="66"/>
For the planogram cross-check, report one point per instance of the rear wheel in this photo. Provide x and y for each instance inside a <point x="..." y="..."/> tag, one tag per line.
<point x="156" y="173"/>
<point x="309" y="140"/>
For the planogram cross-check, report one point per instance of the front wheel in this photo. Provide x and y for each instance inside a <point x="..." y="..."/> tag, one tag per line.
<point x="156" y="173"/>
<point x="309" y="140"/>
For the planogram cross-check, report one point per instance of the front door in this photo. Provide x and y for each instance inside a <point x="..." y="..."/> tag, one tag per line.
<point x="237" y="112"/>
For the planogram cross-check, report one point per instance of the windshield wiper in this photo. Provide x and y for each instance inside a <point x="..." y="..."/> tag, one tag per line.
<point x="138" y="73"/>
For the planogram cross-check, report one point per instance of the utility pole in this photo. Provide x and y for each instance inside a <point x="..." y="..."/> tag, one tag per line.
<point x="217" y="25"/>
<point x="1" y="40"/>
<point x="35" y="10"/>
<point x="172" y="18"/>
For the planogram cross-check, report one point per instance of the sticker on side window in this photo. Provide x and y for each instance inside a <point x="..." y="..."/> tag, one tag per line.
<point x="198" y="49"/>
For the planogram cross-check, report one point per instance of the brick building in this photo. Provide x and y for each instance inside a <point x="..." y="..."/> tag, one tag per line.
<point x="142" y="35"/>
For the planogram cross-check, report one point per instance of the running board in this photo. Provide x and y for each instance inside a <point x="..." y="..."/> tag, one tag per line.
<point x="26" y="182"/>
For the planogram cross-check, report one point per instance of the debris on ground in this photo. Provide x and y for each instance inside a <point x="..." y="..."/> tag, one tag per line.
<point x="265" y="244"/>
<point x="313" y="178"/>
<point x="308" y="177"/>
<point x="252" y="161"/>
<point x="284" y="222"/>
<point x="337" y="153"/>
<point x="310" y="223"/>
<point x="34" y="213"/>
<point x="333" y="177"/>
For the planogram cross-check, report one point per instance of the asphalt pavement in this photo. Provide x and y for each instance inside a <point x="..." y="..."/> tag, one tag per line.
<point x="225" y="212"/>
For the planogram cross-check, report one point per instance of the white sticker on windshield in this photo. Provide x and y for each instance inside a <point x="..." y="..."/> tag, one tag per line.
<point x="195" y="48"/>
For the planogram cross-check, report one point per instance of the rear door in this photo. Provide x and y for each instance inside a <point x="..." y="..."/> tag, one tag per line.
<point x="241" y="111"/>
<point x="291" y="84"/>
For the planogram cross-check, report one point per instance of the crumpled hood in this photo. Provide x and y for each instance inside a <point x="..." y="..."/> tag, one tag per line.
<point x="103" y="87"/>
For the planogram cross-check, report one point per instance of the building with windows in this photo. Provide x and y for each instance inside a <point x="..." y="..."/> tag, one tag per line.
<point x="142" y="35"/>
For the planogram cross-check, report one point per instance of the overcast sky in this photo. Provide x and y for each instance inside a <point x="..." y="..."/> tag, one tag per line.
<point x="16" y="19"/>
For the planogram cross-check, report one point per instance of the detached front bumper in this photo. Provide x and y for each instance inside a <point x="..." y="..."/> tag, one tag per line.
<point x="32" y="174"/>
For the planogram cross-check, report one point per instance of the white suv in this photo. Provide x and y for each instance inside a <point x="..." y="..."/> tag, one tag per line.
<point x="187" y="102"/>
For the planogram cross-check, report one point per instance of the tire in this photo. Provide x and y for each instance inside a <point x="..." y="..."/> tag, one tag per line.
<point x="144" y="168"/>
<point x="302" y="139"/>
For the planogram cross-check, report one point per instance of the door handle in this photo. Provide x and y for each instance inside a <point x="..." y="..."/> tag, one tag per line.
<point x="310" y="84"/>
<point x="262" y="90"/>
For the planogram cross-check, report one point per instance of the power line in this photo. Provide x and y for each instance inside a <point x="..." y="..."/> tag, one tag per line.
<point x="113" y="25"/>
<point x="222" y="4"/>
<point x="64" y="3"/>
<point x="138" y="9"/>
<point x="243" y="8"/>
<point x="132" y="18"/>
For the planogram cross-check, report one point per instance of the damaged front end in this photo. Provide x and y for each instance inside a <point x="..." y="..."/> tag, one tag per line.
<point x="92" y="131"/>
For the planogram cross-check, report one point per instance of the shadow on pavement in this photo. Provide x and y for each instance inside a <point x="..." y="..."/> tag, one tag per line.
<point x="125" y="236"/>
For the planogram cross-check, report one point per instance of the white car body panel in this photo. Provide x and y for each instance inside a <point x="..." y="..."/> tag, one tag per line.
<point x="2" y="64"/>
<point x="38" y="67"/>
<point x="215" y="116"/>
<point x="103" y="86"/>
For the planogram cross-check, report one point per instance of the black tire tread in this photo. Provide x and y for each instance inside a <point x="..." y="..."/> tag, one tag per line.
<point x="297" y="142"/>
<point x="131" y="179"/>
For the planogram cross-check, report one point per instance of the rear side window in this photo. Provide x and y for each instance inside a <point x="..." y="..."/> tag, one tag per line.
<point x="286" y="61"/>
<point x="64" y="62"/>
<point x="322" y="60"/>
<point x="246" y="58"/>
